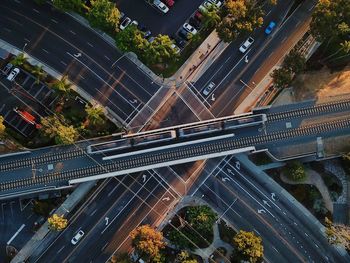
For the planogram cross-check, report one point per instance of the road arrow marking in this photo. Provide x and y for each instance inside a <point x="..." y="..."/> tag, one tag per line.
<point x="260" y="211"/>
<point x="77" y="55"/>
<point x="266" y="203"/>
<point x="225" y="179"/>
<point x="273" y="195"/>
<point x="106" y="218"/>
<point x="238" y="165"/>
<point x="166" y="198"/>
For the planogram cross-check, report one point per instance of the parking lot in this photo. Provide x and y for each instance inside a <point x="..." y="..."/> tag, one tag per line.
<point x="154" y="20"/>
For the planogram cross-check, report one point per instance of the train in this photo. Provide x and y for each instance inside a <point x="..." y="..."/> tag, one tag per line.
<point x="176" y="133"/>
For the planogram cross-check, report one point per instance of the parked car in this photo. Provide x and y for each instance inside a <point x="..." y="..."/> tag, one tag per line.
<point x="169" y="3"/>
<point x="7" y="68"/>
<point x="198" y="15"/>
<point x="176" y="48"/>
<point x="194" y="22"/>
<point x="184" y="34"/>
<point x="205" y="6"/>
<point x="134" y="22"/>
<point x="270" y="27"/>
<point x="189" y="28"/>
<point x="125" y="23"/>
<point x="151" y="39"/>
<point x="161" y="6"/>
<point x="13" y="74"/>
<point x="246" y="44"/>
<point x="208" y="88"/>
<point x="77" y="237"/>
<point x="147" y="34"/>
<point x="215" y="2"/>
<point x="179" y="41"/>
<point x="142" y="28"/>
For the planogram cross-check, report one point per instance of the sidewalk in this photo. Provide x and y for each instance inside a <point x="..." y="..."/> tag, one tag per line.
<point x="44" y="236"/>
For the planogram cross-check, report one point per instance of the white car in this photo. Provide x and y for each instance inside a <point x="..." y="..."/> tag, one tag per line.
<point x="176" y="48"/>
<point x="209" y="88"/>
<point x="134" y="22"/>
<point x="205" y="6"/>
<point x="189" y="28"/>
<point x="161" y="6"/>
<point x="77" y="237"/>
<point x="13" y="74"/>
<point x="215" y="2"/>
<point x="246" y="44"/>
<point x="125" y="23"/>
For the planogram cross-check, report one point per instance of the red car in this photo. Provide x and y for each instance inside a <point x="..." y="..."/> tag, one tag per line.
<point x="169" y="3"/>
<point x="198" y="15"/>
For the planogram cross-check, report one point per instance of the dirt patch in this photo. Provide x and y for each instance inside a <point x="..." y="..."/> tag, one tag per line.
<point x="322" y="83"/>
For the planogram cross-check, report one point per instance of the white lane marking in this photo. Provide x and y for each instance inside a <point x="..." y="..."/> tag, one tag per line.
<point x="111" y="192"/>
<point x="297" y="23"/>
<point x="15" y="234"/>
<point x="53" y="20"/>
<point x="63" y="63"/>
<point x="107" y="58"/>
<point x="93" y="212"/>
<point x="275" y="249"/>
<point x="8" y="30"/>
<point x="60" y="249"/>
<point x="284" y="39"/>
<point x="43" y="49"/>
<point x="72" y="32"/>
<point x="103" y="248"/>
<point x="18" y="2"/>
<point x="26" y="39"/>
<point x="91" y="45"/>
<point x="81" y="76"/>
<point x="36" y="11"/>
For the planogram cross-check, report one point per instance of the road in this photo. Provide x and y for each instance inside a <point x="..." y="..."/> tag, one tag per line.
<point x="127" y="202"/>
<point x="79" y="53"/>
<point x="288" y="235"/>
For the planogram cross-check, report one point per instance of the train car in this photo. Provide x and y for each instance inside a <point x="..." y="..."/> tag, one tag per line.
<point x="108" y="146"/>
<point x="245" y="121"/>
<point x="201" y="129"/>
<point x="148" y="138"/>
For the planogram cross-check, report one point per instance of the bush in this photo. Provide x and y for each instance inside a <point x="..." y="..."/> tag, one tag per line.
<point x="295" y="171"/>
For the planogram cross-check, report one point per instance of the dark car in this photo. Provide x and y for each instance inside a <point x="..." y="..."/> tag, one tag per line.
<point x="198" y="15"/>
<point x="142" y="28"/>
<point x="147" y="34"/>
<point x="195" y="23"/>
<point x="179" y="41"/>
<point x="184" y="34"/>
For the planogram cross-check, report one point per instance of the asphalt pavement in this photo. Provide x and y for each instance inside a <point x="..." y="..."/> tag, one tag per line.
<point x="70" y="48"/>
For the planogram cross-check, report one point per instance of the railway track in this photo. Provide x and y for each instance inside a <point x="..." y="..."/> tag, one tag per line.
<point x="331" y="107"/>
<point x="171" y="154"/>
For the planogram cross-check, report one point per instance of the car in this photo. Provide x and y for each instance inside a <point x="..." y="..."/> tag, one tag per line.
<point x="215" y="2"/>
<point x="125" y="23"/>
<point x="77" y="237"/>
<point x="194" y="22"/>
<point x="176" y="48"/>
<point x="147" y="34"/>
<point x="161" y="6"/>
<point x="208" y="88"/>
<point x="122" y="15"/>
<point x="189" y="28"/>
<point x="205" y="6"/>
<point x="142" y="28"/>
<point x="7" y="68"/>
<point x="151" y="39"/>
<point x="134" y="22"/>
<point x="179" y="41"/>
<point x="270" y="27"/>
<point x="169" y="3"/>
<point x="13" y="74"/>
<point x="184" y="34"/>
<point x="246" y="44"/>
<point x="198" y="15"/>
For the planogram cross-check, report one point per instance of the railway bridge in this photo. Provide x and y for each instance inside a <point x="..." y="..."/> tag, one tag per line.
<point x="60" y="167"/>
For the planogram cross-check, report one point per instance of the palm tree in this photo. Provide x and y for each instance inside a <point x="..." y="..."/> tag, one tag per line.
<point x="210" y="17"/>
<point x="345" y="47"/>
<point x="39" y="73"/>
<point x="19" y="60"/>
<point x="94" y="115"/>
<point x="61" y="85"/>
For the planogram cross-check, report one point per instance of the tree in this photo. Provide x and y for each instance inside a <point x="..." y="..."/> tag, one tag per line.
<point x="39" y="73"/>
<point x="2" y="127"/>
<point x="160" y="50"/>
<point x="201" y="218"/>
<point x="57" y="223"/>
<point x="184" y="257"/>
<point x="282" y="77"/>
<point x="249" y="246"/>
<point x="147" y="241"/>
<point x="19" y="60"/>
<point x="62" y="85"/>
<point x="338" y="234"/>
<point x="180" y="240"/>
<point x="120" y="258"/>
<point x="69" y="5"/>
<point x="94" y="115"/>
<point x="104" y="15"/>
<point x="211" y="17"/>
<point x="294" y="61"/>
<point x="295" y="171"/>
<point x="131" y="39"/>
<point x="53" y="128"/>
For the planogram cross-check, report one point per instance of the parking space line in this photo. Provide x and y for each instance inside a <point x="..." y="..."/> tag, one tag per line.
<point x="107" y="58"/>
<point x="53" y="20"/>
<point x="72" y="32"/>
<point x="91" y="45"/>
<point x="36" y="11"/>
<point x="63" y="63"/>
<point x="43" y="49"/>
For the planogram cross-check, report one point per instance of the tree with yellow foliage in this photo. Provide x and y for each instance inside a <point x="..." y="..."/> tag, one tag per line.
<point x="57" y="223"/>
<point x="248" y="246"/>
<point x="147" y="241"/>
<point x="338" y="234"/>
<point x="2" y="127"/>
